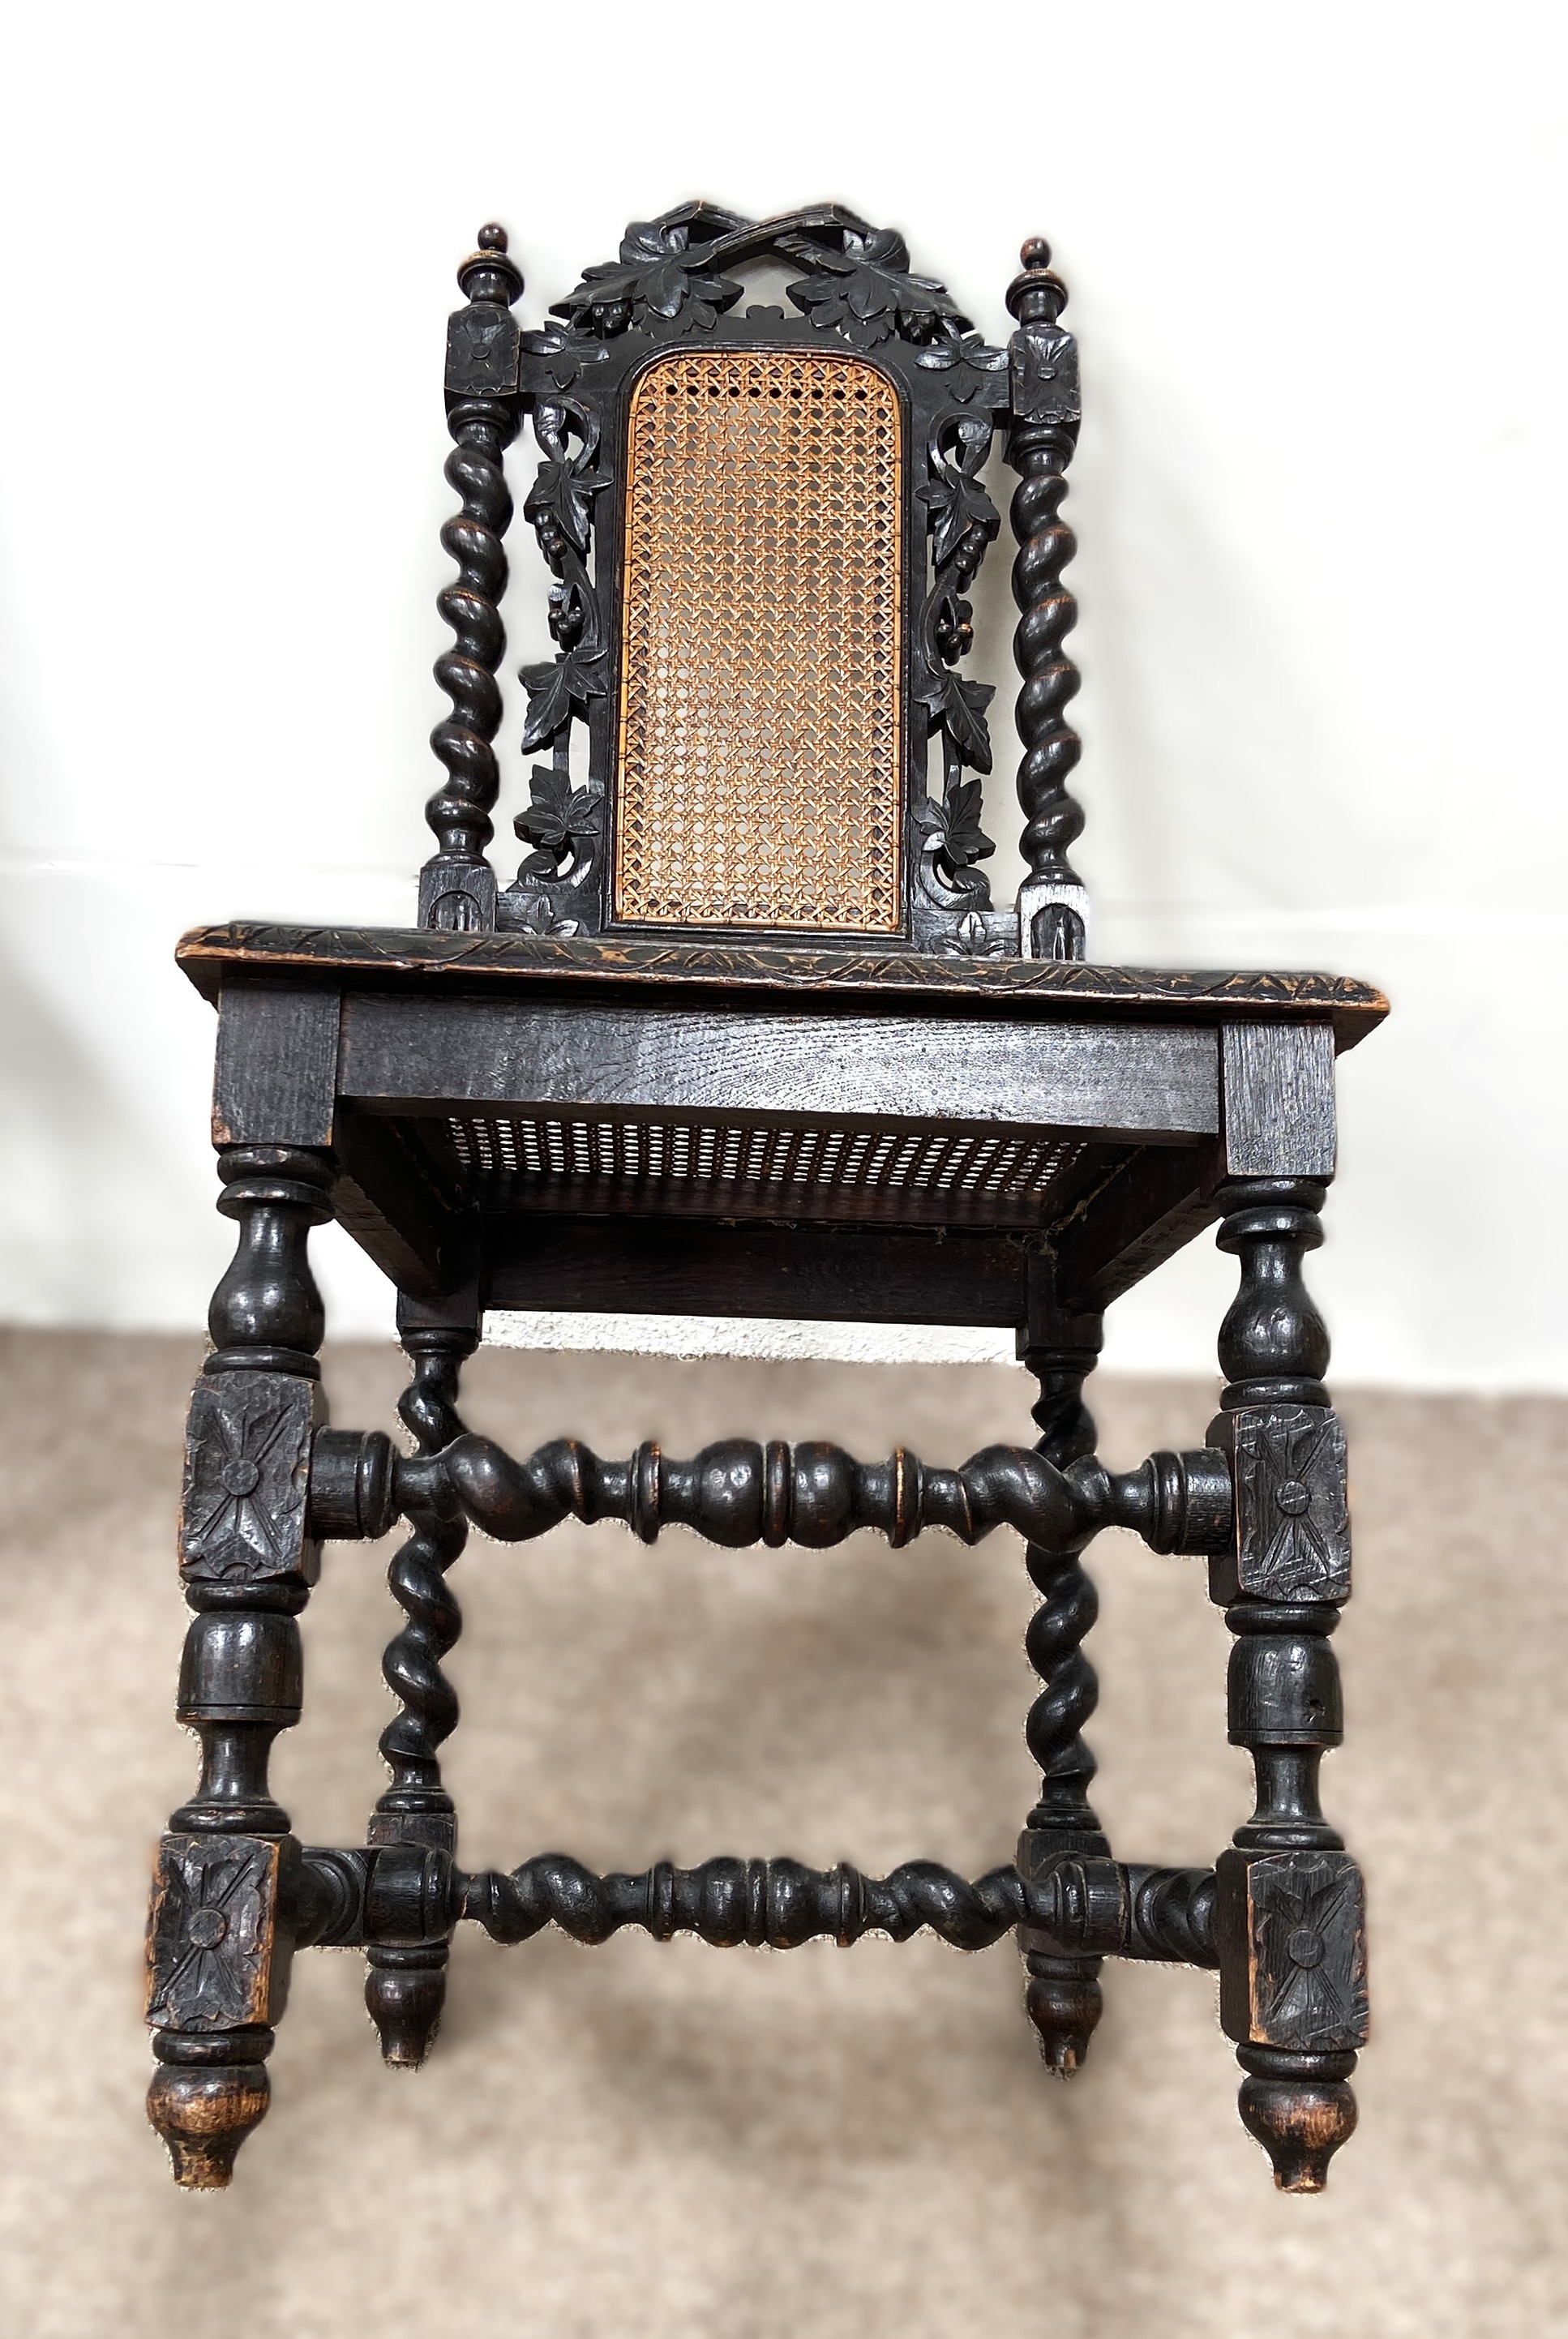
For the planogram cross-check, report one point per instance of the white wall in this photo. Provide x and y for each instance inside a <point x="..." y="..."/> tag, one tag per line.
<point x="1314" y="258"/>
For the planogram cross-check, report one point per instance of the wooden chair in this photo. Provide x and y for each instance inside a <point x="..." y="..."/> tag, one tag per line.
<point x="746" y="1036"/>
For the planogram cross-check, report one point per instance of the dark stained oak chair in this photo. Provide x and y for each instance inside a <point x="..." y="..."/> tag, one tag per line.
<point x="746" y="1036"/>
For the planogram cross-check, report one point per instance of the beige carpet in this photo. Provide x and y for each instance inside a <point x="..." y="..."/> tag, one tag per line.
<point x="666" y="2140"/>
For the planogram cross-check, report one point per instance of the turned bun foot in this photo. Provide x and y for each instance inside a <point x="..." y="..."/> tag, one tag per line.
<point x="1065" y="2003"/>
<point x="1300" y="2121"/>
<point x="405" y="2003"/>
<point x="203" y="2115"/>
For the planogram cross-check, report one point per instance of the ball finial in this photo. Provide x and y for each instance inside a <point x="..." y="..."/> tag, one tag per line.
<point x="1036" y="297"/>
<point x="487" y="275"/>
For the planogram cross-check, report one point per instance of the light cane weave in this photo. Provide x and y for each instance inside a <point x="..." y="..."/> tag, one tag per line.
<point x="759" y="777"/>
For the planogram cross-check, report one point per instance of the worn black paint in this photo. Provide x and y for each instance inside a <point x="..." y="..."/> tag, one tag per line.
<point x="1166" y="1100"/>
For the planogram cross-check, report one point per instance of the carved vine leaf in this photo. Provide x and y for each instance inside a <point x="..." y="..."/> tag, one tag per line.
<point x="656" y="275"/>
<point x="558" y="690"/>
<point x="958" y="508"/>
<point x="951" y="828"/>
<point x="868" y="294"/>
<point x="971" y="350"/>
<point x="535" y="915"/>
<point x="562" y="820"/>
<point x="559" y="506"/>
<point x="963" y="839"/>
<point x="970" y="937"/>
<point x="959" y="707"/>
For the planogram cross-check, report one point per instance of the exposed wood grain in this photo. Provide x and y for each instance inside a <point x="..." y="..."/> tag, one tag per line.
<point x="1277" y="1084"/>
<point x="275" y="1081"/>
<point x="212" y="1934"/>
<point x="879" y="1070"/>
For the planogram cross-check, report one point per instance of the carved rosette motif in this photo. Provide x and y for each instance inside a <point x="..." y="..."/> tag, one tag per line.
<point x="1292" y="1515"/>
<point x="210" y="1933"/>
<point x="242" y="1514"/>
<point x="1300" y="1985"/>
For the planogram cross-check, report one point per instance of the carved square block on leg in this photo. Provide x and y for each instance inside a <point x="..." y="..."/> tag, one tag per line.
<point x="243" y="1509"/>
<point x="212" y="1941"/>
<point x="217" y="1977"/>
<point x="1290" y="1929"/>
<point x="1292" y="1519"/>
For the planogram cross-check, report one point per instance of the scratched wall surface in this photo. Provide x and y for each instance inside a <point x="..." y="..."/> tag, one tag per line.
<point x="1311" y="261"/>
<point x="748" y="2144"/>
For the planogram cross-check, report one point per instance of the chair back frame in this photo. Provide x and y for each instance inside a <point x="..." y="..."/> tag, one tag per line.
<point x="671" y="295"/>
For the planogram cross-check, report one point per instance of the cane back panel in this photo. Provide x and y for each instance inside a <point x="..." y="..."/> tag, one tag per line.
<point x="759" y="780"/>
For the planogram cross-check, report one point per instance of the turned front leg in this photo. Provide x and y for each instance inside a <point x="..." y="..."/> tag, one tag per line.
<point x="225" y="1894"/>
<point x="1289" y="1903"/>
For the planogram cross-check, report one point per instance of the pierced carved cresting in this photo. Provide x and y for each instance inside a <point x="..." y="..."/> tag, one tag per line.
<point x="760" y="779"/>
